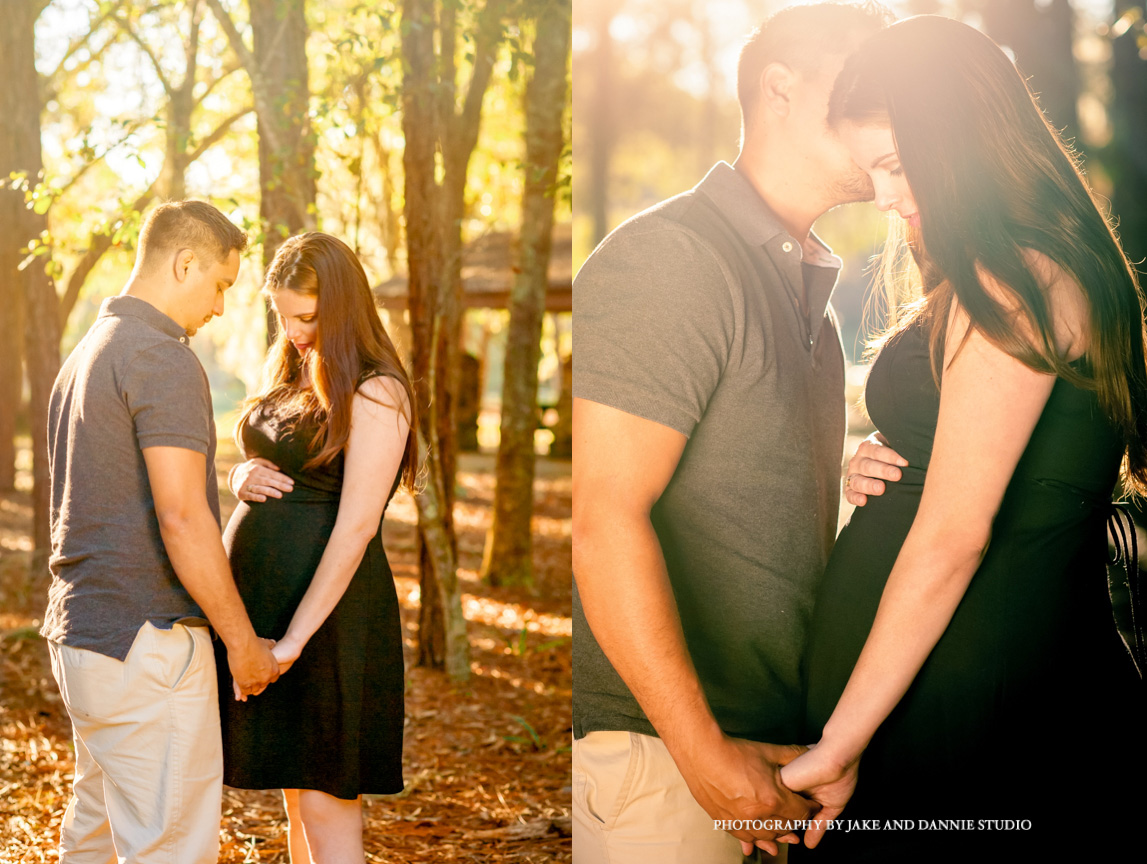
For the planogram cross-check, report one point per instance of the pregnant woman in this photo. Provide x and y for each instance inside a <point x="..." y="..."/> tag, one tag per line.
<point x="964" y="671"/>
<point x="327" y="441"/>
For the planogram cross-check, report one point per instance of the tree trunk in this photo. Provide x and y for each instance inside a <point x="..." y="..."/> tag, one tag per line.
<point x="388" y="227"/>
<point x="509" y="550"/>
<point x="286" y="147"/>
<point x="423" y="241"/>
<point x="599" y="118"/>
<point x="277" y="69"/>
<point x="1125" y="158"/>
<point x="180" y="105"/>
<point x="21" y="143"/>
<point x="439" y="550"/>
<point x="11" y="348"/>
<point x="562" y="448"/>
<point x="11" y="283"/>
<point x="1041" y="35"/>
<point x="432" y="125"/>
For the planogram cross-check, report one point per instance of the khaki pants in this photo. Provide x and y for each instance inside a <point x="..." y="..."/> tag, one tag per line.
<point x="149" y="759"/>
<point x="631" y="806"/>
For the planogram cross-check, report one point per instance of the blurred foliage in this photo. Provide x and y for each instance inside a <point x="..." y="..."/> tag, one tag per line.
<point x="106" y="68"/>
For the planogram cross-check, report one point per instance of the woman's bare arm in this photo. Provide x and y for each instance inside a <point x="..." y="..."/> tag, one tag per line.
<point x="989" y="406"/>
<point x="374" y="452"/>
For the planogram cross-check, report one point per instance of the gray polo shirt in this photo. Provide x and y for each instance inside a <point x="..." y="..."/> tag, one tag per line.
<point x="132" y="382"/>
<point x="689" y="315"/>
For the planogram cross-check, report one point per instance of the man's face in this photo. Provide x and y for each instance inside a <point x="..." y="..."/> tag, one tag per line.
<point x="844" y="181"/>
<point x="204" y="285"/>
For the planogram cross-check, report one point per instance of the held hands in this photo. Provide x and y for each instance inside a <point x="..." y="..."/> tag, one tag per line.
<point x="252" y="668"/>
<point x="829" y="781"/>
<point x="872" y="464"/>
<point x="258" y="479"/>
<point x="285" y="654"/>
<point x="741" y="780"/>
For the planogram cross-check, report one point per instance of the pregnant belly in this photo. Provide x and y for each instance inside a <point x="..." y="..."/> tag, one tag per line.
<point x="849" y="594"/>
<point x="274" y="548"/>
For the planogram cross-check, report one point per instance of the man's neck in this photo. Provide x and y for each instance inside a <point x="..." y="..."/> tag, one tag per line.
<point x="149" y="292"/>
<point x="796" y="200"/>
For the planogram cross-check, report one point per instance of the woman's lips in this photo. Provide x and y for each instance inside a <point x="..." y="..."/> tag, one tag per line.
<point x="914" y="220"/>
<point x="302" y="346"/>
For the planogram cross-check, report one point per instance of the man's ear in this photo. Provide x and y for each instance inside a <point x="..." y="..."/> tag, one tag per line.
<point x="182" y="262"/>
<point x="777" y="84"/>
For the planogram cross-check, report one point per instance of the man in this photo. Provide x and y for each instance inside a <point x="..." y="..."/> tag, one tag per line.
<point x="138" y="567"/>
<point x="709" y="421"/>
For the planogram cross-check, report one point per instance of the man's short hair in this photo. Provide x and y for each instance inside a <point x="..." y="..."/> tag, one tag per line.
<point x="803" y="38"/>
<point x="194" y="225"/>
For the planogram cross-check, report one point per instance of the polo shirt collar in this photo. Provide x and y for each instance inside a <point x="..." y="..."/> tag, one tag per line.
<point x="757" y="224"/>
<point x="134" y="307"/>
<point x="739" y="202"/>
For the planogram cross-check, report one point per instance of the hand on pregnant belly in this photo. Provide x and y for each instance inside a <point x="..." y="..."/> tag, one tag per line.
<point x="257" y="479"/>
<point x="871" y="466"/>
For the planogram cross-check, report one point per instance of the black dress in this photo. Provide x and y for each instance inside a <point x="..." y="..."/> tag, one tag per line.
<point x="333" y="722"/>
<point x="1029" y="707"/>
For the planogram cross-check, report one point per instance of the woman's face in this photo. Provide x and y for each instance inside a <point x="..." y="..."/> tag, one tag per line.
<point x="298" y="318"/>
<point x="874" y="150"/>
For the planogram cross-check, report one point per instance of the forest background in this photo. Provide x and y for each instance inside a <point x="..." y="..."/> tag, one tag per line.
<point x="433" y="138"/>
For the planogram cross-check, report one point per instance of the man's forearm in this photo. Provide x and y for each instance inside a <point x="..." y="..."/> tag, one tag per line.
<point x="629" y="604"/>
<point x="196" y="553"/>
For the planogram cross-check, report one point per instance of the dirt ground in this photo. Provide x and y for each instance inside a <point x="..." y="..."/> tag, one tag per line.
<point x="487" y="762"/>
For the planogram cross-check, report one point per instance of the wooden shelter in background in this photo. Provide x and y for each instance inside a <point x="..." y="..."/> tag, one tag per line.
<point x="487" y="275"/>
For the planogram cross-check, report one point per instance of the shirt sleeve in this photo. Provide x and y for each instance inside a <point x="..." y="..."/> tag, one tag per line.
<point x="168" y="397"/>
<point x="653" y="325"/>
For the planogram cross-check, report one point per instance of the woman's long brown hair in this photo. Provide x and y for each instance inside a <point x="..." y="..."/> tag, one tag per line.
<point x="351" y="345"/>
<point x="991" y="179"/>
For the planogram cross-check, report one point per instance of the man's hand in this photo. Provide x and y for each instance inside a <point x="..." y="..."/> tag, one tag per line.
<point x="258" y="479"/>
<point x="252" y="668"/>
<point x="872" y="464"/>
<point x="741" y="780"/>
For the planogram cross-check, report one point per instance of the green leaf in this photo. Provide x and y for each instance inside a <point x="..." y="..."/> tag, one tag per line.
<point x="538" y="742"/>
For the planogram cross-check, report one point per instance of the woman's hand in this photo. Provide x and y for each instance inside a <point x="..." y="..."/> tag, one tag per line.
<point x="824" y="778"/>
<point x="873" y="463"/>
<point x="257" y="479"/>
<point x="286" y="652"/>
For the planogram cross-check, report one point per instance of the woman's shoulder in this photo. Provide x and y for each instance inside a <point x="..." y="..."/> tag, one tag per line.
<point x="1071" y="312"/>
<point x="382" y="387"/>
<point x="1066" y="301"/>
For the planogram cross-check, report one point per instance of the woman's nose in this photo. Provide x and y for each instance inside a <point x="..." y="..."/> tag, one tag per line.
<point x="885" y="199"/>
